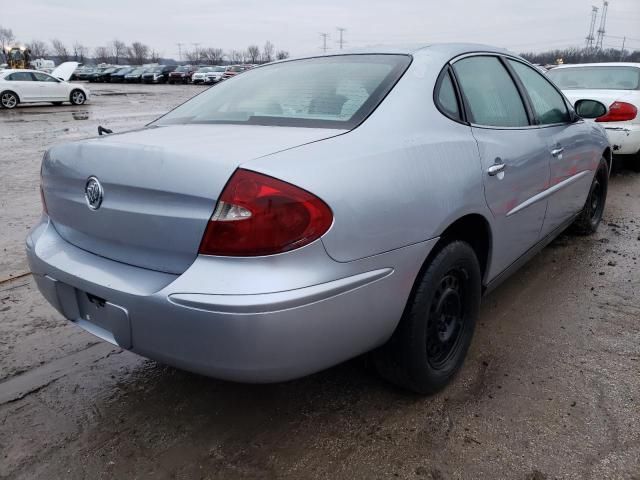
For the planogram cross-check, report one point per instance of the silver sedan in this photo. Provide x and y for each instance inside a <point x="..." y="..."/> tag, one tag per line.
<point x="311" y="210"/>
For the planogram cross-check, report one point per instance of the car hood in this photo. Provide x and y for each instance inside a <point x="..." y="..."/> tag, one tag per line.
<point x="65" y="70"/>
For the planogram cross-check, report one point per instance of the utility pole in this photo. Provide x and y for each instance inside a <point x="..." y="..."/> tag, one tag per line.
<point x="603" y="24"/>
<point x="324" y="41"/>
<point x="341" y="41"/>
<point x="179" y="50"/>
<point x="624" y="40"/>
<point x="196" y="45"/>
<point x="590" y="38"/>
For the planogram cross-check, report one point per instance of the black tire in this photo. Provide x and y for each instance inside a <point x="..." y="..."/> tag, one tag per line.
<point x="435" y="331"/>
<point x="9" y="100"/>
<point x="633" y="162"/>
<point x="591" y="215"/>
<point x="77" y="97"/>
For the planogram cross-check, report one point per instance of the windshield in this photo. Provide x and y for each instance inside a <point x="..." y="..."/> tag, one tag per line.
<point x="331" y="92"/>
<point x="596" y="78"/>
<point x="182" y="69"/>
<point x="205" y="69"/>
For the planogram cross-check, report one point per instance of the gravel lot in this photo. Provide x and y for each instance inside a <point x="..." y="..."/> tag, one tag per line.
<point x="551" y="387"/>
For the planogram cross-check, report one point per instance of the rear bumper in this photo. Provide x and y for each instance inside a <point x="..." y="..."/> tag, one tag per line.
<point x="254" y="320"/>
<point x="623" y="137"/>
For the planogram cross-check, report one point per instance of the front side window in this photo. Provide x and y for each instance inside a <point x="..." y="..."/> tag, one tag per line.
<point x="331" y="92"/>
<point x="43" y="77"/>
<point x="492" y="97"/>
<point x="547" y="102"/>
<point x="596" y="78"/>
<point x="20" y="77"/>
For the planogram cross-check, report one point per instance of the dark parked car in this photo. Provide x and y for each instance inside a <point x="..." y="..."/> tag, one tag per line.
<point x="84" y="74"/>
<point x="182" y="74"/>
<point x="159" y="74"/>
<point x="135" y="75"/>
<point x="96" y="76"/>
<point x="118" y="76"/>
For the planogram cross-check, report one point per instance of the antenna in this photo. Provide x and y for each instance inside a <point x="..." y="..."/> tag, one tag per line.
<point x="590" y="38"/>
<point x="603" y="23"/>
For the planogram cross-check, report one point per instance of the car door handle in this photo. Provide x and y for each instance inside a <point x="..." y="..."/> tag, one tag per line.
<point x="495" y="169"/>
<point x="556" y="152"/>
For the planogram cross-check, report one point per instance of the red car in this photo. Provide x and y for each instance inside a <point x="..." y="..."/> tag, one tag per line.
<point x="182" y="74"/>
<point x="233" y="70"/>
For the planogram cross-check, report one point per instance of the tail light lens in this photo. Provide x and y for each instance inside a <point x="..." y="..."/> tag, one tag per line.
<point x="619" y="112"/>
<point x="260" y="215"/>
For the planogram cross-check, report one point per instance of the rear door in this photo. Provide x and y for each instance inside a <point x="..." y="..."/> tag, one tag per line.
<point x="571" y="151"/>
<point x="24" y="85"/>
<point x="514" y="155"/>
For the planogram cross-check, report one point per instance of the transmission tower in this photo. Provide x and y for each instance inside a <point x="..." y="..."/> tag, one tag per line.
<point x="179" y="50"/>
<point x="324" y="47"/>
<point x="603" y="24"/>
<point x="341" y="42"/>
<point x="590" y="38"/>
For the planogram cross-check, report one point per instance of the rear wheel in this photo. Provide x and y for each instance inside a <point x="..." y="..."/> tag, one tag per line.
<point x="589" y="219"/>
<point x="433" y="336"/>
<point x="78" y="97"/>
<point x="9" y="100"/>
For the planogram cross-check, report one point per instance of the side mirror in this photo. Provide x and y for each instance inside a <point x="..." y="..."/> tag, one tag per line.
<point x="590" y="108"/>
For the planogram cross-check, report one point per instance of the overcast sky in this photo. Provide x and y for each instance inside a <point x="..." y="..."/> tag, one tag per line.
<point x="295" y="25"/>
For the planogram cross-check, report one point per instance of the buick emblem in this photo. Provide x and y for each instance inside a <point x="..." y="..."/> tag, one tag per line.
<point x="93" y="193"/>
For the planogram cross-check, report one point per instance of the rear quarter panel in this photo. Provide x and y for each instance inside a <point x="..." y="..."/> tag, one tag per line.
<point x="400" y="178"/>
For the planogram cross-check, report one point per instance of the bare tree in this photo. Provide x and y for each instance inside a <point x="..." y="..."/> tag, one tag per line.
<point x="194" y="56"/>
<point x="282" y="55"/>
<point x="267" y="52"/>
<point x="138" y="53"/>
<point x="212" y="56"/>
<point x="38" y="49"/>
<point x="253" y="53"/>
<point x="6" y="39"/>
<point x="79" y="52"/>
<point x="154" y="56"/>
<point x="118" y="50"/>
<point x="60" y="49"/>
<point x="235" y="56"/>
<point x="101" y="54"/>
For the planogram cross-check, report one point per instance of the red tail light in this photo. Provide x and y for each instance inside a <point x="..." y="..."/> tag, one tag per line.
<point x="619" y="112"/>
<point x="260" y="215"/>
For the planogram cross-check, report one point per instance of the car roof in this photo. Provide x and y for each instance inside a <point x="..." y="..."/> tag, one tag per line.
<point x="604" y="64"/>
<point x="447" y="49"/>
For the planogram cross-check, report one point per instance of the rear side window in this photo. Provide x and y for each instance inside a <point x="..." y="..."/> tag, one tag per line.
<point x="20" y="77"/>
<point x="446" y="98"/>
<point x="330" y="92"/>
<point x="490" y="93"/>
<point x="548" y="104"/>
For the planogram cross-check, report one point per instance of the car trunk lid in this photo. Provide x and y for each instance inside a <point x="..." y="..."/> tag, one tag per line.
<point x="159" y="184"/>
<point x="65" y="70"/>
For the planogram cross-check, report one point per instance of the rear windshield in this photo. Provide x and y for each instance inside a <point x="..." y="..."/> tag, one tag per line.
<point x="596" y="78"/>
<point x="325" y="92"/>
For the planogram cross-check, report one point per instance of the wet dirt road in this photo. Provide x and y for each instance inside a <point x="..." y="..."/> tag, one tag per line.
<point x="551" y="387"/>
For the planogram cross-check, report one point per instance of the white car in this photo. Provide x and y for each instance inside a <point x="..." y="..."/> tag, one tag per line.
<point x="33" y="86"/>
<point x="208" y="75"/>
<point x="617" y="85"/>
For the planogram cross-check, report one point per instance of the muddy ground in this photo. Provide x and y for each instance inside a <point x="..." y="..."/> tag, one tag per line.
<point x="551" y="387"/>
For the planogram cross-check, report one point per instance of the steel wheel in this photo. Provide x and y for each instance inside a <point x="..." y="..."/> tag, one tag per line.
<point x="78" y="97"/>
<point x="446" y="318"/>
<point x="587" y="222"/>
<point x="8" y="100"/>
